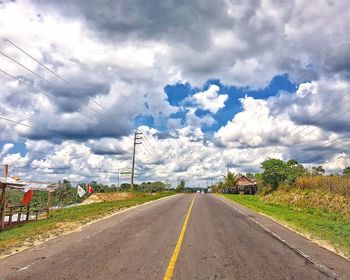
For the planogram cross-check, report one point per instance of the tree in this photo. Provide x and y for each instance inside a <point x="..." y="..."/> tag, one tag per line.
<point x="346" y="172"/>
<point x="294" y="170"/>
<point x="318" y="170"/>
<point x="181" y="186"/>
<point x="276" y="171"/>
<point x="230" y="180"/>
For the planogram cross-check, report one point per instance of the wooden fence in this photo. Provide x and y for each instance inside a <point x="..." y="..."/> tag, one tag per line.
<point x="17" y="214"/>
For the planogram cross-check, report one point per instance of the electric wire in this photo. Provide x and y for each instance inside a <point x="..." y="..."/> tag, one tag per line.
<point x="16" y="122"/>
<point x="322" y="110"/>
<point x="151" y="147"/>
<point x="46" y="94"/>
<point x="40" y="77"/>
<point x="54" y="73"/>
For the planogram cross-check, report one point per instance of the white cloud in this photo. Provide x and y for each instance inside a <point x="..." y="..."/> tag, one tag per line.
<point x="210" y="99"/>
<point x="124" y="63"/>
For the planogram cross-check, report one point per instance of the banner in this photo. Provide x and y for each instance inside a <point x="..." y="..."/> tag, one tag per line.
<point x="80" y="191"/>
<point x="27" y="197"/>
<point x="89" y="189"/>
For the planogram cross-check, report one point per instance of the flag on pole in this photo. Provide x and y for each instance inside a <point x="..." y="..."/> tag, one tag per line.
<point x="89" y="189"/>
<point x="80" y="191"/>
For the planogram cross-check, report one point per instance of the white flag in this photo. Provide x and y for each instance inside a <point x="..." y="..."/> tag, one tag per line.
<point x="80" y="191"/>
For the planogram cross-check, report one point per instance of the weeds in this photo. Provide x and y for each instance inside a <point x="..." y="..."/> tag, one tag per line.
<point x="333" y="184"/>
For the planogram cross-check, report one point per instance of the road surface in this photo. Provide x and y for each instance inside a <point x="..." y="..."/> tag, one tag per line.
<point x="221" y="240"/>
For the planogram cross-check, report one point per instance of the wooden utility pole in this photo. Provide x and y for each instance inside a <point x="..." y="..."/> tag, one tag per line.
<point x="3" y="198"/>
<point x="136" y="137"/>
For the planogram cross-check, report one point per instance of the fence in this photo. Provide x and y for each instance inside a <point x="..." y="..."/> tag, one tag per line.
<point x="17" y="214"/>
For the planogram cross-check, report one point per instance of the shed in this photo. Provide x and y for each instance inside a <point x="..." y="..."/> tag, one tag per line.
<point x="24" y="185"/>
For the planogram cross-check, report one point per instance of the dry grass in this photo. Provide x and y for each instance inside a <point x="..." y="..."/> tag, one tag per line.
<point x="332" y="184"/>
<point x="113" y="196"/>
<point x="311" y="199"/>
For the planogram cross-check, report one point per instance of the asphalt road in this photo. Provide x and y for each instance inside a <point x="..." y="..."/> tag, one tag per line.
<point x="222" y="241"/>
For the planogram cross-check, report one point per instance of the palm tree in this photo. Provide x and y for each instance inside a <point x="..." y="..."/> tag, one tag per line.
<point x="219" y="186"/>
<point x="230" y="180"/>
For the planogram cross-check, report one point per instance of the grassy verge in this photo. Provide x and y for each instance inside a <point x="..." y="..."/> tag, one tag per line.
<point x="63" y="220"/>
<point x="329" y="226"/>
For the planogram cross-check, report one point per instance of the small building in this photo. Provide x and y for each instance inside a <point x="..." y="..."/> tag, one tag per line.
<point x="248" y="186"/>
<point x="244" y="185"/>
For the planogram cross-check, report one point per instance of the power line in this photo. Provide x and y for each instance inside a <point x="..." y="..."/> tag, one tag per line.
<point x="328" y="121"/>
<point x="152" y="157"/>
<point x="25" y="67"/>
<point x="151" y="147"/>
<point x="54" y="73"/>
<point x="327" y="143"/>
<point x="45" y="93"/>
<point x="12" y="121"/>
<point x="40" y="77"/>
<point x="149" y="151"/>
<point x="322" y="110"/>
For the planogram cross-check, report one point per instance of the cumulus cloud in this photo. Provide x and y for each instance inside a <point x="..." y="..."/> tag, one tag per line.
<point x="210" y="99"/>
<point x="122" y="55"/>
<point x="310" y="124"/>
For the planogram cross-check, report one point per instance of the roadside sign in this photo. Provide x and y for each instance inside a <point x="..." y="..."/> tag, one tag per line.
<point x="125" y="173"/>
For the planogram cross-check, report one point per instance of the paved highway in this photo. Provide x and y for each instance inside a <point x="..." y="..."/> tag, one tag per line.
<point x="169" y="239"/>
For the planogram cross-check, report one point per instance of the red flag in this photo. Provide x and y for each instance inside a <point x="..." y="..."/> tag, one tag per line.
<point x="89" y="189"/>
<point x="27" y="197"/>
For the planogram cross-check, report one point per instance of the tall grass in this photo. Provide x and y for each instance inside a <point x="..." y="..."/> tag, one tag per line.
<point x="333" y="184"/>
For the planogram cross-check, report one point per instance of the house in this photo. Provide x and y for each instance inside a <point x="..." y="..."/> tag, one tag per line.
<point x="244" y="185"/>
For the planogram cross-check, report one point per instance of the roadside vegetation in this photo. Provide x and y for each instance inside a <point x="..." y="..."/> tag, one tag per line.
<point x="66" y="193"/>
<point x="67" y="219"/>
<point x="308" y="200"/>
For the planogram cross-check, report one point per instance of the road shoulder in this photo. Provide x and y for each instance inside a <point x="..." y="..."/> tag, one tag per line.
<point x="334" y="262"/>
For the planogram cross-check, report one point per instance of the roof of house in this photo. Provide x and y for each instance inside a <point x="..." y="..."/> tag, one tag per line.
<point x="25" y="185"/>
<point x="245" y="181"/>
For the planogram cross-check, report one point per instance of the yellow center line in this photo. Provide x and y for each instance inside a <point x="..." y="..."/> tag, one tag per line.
<point x="171" y="266"/>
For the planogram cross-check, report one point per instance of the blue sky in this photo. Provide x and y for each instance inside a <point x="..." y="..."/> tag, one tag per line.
<point x="177" y="94"/>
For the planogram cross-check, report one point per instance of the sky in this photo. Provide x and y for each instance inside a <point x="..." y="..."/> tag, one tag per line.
<point x="210" y="84"/>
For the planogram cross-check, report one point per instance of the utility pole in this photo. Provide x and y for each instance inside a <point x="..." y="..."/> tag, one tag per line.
<point x="136" y="137"/>
<point x="227" y="168"/>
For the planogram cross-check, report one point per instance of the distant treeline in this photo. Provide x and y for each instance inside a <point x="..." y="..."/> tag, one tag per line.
<point x="66" y="193"/>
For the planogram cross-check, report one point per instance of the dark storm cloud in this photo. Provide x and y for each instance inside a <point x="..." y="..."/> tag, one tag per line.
<point x="151" y="20"/>
<point x="69" y="130"/>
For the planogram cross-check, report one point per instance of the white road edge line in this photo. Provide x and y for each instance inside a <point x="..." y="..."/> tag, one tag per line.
<point x="317" y="265"/>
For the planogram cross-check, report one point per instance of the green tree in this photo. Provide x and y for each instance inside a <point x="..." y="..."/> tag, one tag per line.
<point x="181" y="186"/>
<point x="274" y="172"/>
<point x="318" y="170"/>
<point x="346" y="172"/>
<point x="294" y="170"/>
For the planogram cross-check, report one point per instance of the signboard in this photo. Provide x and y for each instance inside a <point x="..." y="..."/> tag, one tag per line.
<point x="125" y="173"/>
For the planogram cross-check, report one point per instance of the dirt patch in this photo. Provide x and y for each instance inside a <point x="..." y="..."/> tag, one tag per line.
<point x="100" y="197"/>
